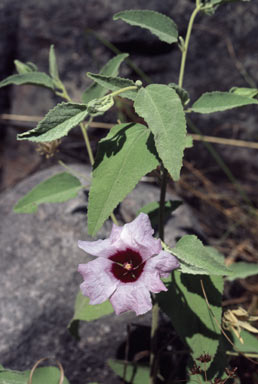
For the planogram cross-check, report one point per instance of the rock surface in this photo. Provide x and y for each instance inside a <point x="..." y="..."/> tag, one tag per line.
<point x="39" y="282"/>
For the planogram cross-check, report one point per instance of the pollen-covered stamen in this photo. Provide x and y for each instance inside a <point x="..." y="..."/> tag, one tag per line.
<point x="127" y="265"/>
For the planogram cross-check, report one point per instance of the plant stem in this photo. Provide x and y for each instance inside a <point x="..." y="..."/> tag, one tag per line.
<point x="87" y="141"/>
<point x="186" y="43"/>
<point x="155" y="308"/>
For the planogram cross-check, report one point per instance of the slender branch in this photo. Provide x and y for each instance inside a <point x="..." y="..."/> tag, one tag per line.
<point x="84" y="127"/>
<point x="186" y="43"/>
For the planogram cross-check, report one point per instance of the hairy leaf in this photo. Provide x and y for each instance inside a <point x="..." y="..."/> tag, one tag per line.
<point x="135" y="373"/>
<point x="114" y="84"/>
<point x="191" y="251"/>
<point x="184" y="303"/>
<point x="96" y="90"/>
<point x="53" y="69"/>
<point x="22" y="68"/>
<point x="249" y="92"/>
<point x="161" y="108"/>
<point x="34" y="78"/>
<point x="250" y="344"/>
<point x="56" y="189"/>
<point x="57" y="123"/>
<point x="241" y="270"/>
<point x="220" y="101"/>
<point x="160" y="25"/>
<point x="125" y="155"/>
<point x="97" y="107"/>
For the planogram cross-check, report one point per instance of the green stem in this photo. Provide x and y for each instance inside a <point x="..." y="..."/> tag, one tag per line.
<point x="116" y="93"/>
<point x="84" y="127"/>
<point x="186" y="43"/>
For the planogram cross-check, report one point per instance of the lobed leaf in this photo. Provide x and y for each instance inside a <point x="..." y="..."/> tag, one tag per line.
<point x="57" y="123"/>
<point x="110" y="69"/>
<point x="34" y="78"/>
<point x="135" y="373"/>
<point x="184" y="303"/>
<point x="124" y="156"/>
<point x="56" y="189"/>
<point x="220" y="101"/>
<point x="161" y="108"/>
<point x="191" y="251"/>
<point x="160" y="25"/>
<point x="114" y="84"/>
<point x="241" y="270"/>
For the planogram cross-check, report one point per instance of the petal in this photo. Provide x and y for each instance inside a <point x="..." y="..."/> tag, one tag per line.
<point x="163" y="263"/>
<point x="131" y="297"/>
<point x="138" y="236"/>
<point x="99" y="284"/>
<point x="102" y="248"/>
<point x="150" y="277"/>
<point x="115" y="233"/>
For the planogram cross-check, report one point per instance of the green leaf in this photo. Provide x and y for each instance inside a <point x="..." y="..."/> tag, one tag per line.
<point x="34" y="78"/>
<point x="22" y="68"/>
<point x="160" y="25"/>
<point x="241" y="270"/>
<point x="95" y="91"/>
<point x="250" y="344"/>
<point x="184" y="303"/>
<point x="43" y="375"/>
<point x="135" y="373"/>
<point x="57" y="123"/>
<point x="114" y="84"/>
<point x="125" y="155"/>
<point x="56" y="189"/>
<point x="86" y="312"/>
<point x="97" y="107"/>
<point x="182" y="93"/>
<point x="220" y="101"/>
<point x="152" y="210"/>
<point x="191" y="251"/>
<point x="161" y="108"/>
<point x="53" y="69"/>
<point x="249" y="92"/>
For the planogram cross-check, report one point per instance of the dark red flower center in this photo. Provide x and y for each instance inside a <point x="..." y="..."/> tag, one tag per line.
<point x="127" y="265"/>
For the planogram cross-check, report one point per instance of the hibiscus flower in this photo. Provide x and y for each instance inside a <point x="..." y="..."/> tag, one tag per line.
<point x="129" y="265"/>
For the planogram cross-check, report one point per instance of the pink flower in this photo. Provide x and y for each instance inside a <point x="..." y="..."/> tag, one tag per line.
<point x="125" y="271"/>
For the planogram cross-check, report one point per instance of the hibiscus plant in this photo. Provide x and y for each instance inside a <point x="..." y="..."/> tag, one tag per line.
<point x="133" y="270"/>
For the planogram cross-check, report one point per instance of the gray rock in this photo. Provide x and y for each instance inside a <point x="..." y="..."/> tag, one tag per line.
<point x="39" y="282"/>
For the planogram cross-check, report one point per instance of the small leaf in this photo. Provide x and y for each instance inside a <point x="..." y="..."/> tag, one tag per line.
<point x="152" y="210"/>
<point x="135" y="373"/>
<point x="34" y="78"/>
<point x="114" y="84"/>
<point x="57" y="123"/>
<point x="42" y="375"/>
<point x="56" y="189"/>
<point x="22" y="68"/>
<point x="241" y="270"/>
<point x="249" y="92"/>
<point x="95" y="91"/>
<point x="220" y="101"/>
<point x="125" y="155"/>
<point x="161" y="108"/>
<point x="190" y="250"/>
<point x="53" y="69"/>
<point x="97" y="107"/>
<point x="86" y="312"/>
<point x="157" y="23"/>
<point x="182" y="93"/>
